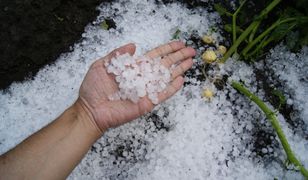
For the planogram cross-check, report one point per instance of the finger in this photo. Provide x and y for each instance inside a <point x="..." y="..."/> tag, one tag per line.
<point x="145" y="105"/>
<point x="173" y="87"/>
<point x="128" y="48"/>
<point x="165" y="49"/>
<point x="178" y="56"/>
<point x="182" y="68"/>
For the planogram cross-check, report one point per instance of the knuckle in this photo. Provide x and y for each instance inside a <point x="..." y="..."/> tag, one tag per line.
<point x="171" y="47"/>
<point x="169" y="61"/>
<point x="148" y="107"/>
<point x="182" y="69"/>
<point x="182" y="53"/>
<point x="159" y="50"/>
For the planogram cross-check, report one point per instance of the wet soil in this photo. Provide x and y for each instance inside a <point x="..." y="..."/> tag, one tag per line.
<point x="34" y="33"/>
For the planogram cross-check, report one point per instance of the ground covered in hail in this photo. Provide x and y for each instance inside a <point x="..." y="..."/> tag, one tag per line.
<point x="187" y="137"/>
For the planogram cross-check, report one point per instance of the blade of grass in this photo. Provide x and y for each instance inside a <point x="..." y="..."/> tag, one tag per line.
<point x="270" y="115"/>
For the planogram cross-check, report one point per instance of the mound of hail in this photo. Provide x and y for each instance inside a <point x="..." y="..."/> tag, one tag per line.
<point x="138" y="77"/>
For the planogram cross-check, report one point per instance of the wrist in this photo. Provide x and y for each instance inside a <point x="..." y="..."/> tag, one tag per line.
<point x="86" y="119"/>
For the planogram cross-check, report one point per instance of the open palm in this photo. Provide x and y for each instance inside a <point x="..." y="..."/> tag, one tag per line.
<point x="98" y="85"/>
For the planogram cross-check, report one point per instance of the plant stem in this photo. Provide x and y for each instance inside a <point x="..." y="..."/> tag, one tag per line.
<point x="249" y="29"/>
<point x="266" y="32"/>
<point x="234" y="29"/>
<point x="234" y="16"/>
<point x="261" y="45"/>
<point x="268" y="8"/>
<point x="238" y="41"/>
<point x="275" y="123"/>
<point x="265" y="42"/>
<point x="253" y="32"/>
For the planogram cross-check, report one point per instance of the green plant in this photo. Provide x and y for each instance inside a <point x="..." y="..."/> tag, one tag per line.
<point x="176" y="34"/>
<point x="104" y="25"/>
<point x="271" y="116"/>
<point x="253" y="39"/>
<point x="282" y="98"/>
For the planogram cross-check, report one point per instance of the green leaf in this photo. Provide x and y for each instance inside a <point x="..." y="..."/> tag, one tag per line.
<point x="104" y="25"/>
<point x="176" y="35"/>
<point x="302" y="4"/>
<point x="302" y="20"/>
<point x="290" y="12"/>
<point x="303" y="33"/>
<point x="243" y="13"/>
<point x="228" y="28"/>
<point x="282" y="30"/>
<point x="221" y="10"/>
<point x="304" y="38"/>
<point x="292" y="40"/>
<point x="213" y="29"/>
<point x="279" y="94"/>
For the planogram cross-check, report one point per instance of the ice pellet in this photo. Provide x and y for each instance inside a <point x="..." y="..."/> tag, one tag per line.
<point x="138" y="77"/>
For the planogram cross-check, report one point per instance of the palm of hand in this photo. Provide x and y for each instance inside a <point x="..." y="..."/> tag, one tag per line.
<point x="98" y="85"/>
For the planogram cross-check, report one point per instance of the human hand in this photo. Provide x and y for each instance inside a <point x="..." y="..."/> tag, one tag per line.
<point x="98" y="85"/>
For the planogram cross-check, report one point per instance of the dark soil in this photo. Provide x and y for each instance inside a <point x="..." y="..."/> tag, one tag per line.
<point x="35" y="32"/>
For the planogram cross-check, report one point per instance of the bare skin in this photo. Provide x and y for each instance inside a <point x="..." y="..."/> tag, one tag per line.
<point x="55" y="150"/>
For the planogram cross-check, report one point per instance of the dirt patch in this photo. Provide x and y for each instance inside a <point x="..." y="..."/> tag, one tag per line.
<point x="35" y="32"/>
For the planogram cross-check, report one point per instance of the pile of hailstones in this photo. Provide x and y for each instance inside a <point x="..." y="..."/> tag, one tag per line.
<point x="138" y="77"/>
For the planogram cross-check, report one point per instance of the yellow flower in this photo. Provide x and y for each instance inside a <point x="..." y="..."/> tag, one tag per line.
<point x="222" y="49"/>
<point x="209" y="56"/>
<point x="208" y="93"/>
<point x="207" y="39"/>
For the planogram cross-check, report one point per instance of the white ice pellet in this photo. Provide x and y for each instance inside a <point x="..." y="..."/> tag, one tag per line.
<point x="138" y="76"/>
<point x="264" y="150"/>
